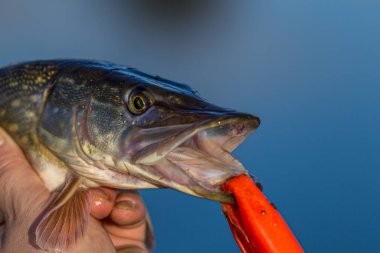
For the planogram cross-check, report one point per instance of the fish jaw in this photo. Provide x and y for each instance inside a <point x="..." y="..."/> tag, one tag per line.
<point x="197" y="158"/>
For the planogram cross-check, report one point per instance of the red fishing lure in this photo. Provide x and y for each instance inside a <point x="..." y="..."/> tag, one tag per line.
<point x="255" y="223"/>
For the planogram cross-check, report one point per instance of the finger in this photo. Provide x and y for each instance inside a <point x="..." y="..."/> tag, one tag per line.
<point x="127" y="222"/>
<point x="127" y="237"/>
<point x="17" y="178"/>
<point x="102" y="202"/>
<point x="129" y="209"/>
<point x="150" y="241"/>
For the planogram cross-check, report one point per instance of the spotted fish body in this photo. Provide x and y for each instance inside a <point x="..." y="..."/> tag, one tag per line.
<point x="86" y="124"/>
<point x="22" y="92"/>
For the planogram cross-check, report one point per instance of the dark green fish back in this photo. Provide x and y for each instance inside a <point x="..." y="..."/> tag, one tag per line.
<point x="22" y="88"/>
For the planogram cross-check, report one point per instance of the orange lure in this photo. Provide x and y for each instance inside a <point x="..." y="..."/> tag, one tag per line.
<point x="255" y="223"/>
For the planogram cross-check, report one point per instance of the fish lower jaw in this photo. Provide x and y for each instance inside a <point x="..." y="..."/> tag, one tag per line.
<point x="197" y="167"/>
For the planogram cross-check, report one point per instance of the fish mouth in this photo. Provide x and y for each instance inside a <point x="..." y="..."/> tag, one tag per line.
<point x="196" y="158"/>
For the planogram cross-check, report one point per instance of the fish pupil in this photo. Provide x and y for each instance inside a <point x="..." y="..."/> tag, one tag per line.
<point x="139" y="103"/>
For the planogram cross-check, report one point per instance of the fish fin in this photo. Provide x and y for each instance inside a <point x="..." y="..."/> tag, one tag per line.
<point x="65" y="217"/>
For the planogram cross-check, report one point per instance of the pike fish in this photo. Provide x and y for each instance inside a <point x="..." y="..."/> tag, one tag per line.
<point x="86" y="124"/>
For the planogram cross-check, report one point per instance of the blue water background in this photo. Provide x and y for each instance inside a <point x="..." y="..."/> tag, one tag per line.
<point x="309" y="69"/>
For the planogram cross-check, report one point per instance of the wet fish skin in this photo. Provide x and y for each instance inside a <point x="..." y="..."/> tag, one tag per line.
<point x="72" y="120"/>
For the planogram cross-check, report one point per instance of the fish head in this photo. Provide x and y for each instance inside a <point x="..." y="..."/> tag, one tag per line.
<point x="166" y="134"/>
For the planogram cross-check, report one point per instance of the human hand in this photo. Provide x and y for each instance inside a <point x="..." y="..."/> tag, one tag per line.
<point x="117" y="220"/>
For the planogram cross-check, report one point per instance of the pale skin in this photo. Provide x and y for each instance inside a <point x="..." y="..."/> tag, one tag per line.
<point x="118" y="222"/>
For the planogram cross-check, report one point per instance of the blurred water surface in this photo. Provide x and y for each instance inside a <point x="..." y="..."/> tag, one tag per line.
<point x="309" y="69"/>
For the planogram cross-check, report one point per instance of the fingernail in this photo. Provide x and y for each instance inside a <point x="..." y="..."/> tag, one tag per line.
<point x="126" y="204"/>
<point x="101" y="195"/>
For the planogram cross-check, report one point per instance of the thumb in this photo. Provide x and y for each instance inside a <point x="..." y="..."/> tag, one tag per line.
<point x="21" y="187"/>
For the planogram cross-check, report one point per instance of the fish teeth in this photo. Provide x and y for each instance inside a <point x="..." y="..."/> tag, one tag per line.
<point x="216" y="150"/>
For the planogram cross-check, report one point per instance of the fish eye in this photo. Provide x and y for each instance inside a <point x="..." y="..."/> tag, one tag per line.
<point x="138" y="103"/>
